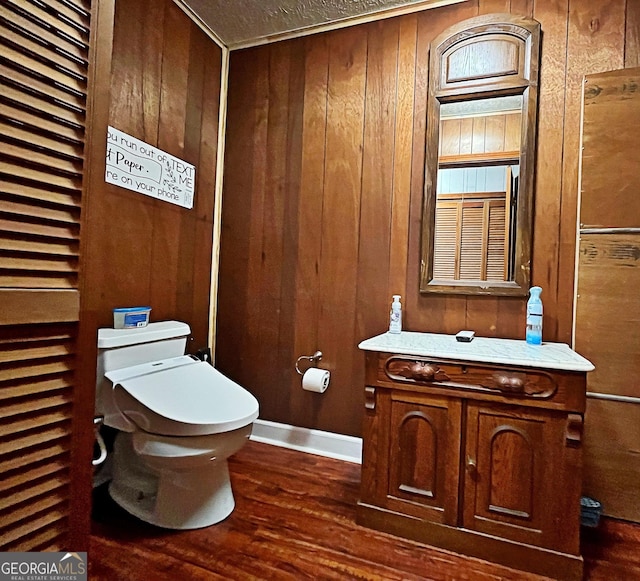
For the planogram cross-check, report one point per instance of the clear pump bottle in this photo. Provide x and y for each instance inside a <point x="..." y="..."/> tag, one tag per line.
<point x="395" y="317"/>
<point x="534" y="317"/>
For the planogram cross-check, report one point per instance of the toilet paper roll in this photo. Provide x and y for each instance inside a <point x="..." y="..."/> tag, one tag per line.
<point x="315" y="379"/>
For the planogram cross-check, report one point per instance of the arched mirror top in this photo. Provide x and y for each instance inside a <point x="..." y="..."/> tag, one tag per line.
<point x="491" y="52"/>
<point x="480" y="150"/>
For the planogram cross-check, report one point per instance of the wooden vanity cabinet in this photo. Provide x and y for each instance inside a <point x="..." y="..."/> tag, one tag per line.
<point x="480" y="459"/>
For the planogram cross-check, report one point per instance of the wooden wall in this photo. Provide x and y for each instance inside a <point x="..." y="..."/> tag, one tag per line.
<point x="608" y="300"/>
<point x="165" y="90"/>
<point x="474" y="136"/>
<point x="323" y="190"/>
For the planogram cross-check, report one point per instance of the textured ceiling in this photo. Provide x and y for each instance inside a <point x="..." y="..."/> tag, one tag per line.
<point x="245" y="22"/>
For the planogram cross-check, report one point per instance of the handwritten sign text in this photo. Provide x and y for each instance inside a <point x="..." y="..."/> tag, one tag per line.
<point x="138" y="166"/>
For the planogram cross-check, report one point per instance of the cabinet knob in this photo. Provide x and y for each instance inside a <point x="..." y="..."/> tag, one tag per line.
<point x="471" y="465"/>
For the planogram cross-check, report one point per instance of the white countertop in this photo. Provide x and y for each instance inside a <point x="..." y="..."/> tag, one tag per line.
<point x="481" y="349"/>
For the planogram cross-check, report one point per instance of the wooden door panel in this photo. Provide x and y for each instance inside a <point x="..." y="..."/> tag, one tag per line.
<point x="607" y="300"/>
<point x="37" y="365"/>
<point x="515" y="463"/>
<point x="50" y="123"/>
<point x="606" y="332"/>
<point x="508" y="458"/>
<point x="610" y="151"/>
<point x="424" y="456"/>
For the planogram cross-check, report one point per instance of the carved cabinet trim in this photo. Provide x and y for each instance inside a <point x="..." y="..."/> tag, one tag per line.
<point x="513" y="381"/>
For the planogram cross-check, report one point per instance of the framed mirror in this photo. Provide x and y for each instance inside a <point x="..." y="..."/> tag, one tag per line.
<point x="477" y="220"/>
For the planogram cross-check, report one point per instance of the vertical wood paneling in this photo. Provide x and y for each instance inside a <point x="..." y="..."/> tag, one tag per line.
<point x="489" y="6"/>
<point x="352" y="198"/>
<point x="174" y="82"/>
<point x="119" y="238"/>
<point x="632" y="35"/>
<point x="193" y="122"/>
<point x="167" y="242"/>
<point x="258" y="354"/>
<point x="272" y="272"/>
<point x="164" y="90"/>
<point x="374" y="254"/>
<point x="134" y="109"/>
<point x="595" y="44"/>
<point x="291" y="231"/>
<point x="495" y="136"/>
<point x="309" y="218"/>
<point x="524" y="7"/>
<point x="340" y="222"/>
<point x="402" y="156"/>
<point x="139" y="69"/>
<point x="201" y="295"/>
<point x="552" y="18"/>
<point x="232" y="353"/>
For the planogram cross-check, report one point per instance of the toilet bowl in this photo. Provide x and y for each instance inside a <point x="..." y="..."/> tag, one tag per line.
<point x="179" y="419"/>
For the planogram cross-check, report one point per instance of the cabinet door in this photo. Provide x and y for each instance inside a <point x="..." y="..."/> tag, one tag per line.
<point x="523" y="476"/>
<point x="424" y="456"/>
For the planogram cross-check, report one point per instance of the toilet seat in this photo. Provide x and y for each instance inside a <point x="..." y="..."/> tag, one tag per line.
<point x="181" y="396"/>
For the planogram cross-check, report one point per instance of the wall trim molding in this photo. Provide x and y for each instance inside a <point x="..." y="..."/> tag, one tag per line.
<point x="329" y="444"/>
<point x="217" y="208"/>
<point x="613" y="397"/>
<point x="200" y="23"/>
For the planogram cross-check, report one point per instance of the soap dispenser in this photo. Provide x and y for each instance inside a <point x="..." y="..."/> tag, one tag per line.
<point x="534" y="317"/>
<point x="395" y="318"/>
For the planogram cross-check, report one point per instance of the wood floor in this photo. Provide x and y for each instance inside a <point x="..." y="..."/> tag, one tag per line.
<point x="295" y="519"/>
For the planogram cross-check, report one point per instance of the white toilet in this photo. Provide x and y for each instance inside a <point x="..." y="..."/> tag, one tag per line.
<point x="179" y="419"/>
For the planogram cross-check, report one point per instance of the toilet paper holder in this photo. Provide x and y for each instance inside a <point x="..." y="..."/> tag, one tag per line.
<point x="313" y="359"/>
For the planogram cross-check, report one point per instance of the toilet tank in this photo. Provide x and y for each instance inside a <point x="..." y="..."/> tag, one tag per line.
<point x="118" y="348"/>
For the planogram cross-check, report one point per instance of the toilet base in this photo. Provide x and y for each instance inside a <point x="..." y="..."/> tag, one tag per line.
<point x="185" y="498"/>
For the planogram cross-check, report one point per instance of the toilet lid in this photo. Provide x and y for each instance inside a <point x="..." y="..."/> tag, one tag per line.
<point x="192" y="395"/>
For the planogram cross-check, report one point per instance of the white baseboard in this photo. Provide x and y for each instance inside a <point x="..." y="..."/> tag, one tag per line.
<point x="339" y="446"/>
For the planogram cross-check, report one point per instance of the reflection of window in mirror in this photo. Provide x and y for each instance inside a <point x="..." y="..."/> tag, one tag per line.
<point x="478" y="167"/>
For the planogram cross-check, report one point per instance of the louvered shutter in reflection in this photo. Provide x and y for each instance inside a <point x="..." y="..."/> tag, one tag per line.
<point x="469" y="241"/>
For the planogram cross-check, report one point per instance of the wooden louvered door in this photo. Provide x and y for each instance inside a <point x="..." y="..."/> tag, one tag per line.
<point x="471" y="237"/>
<point x="53" y="65"/>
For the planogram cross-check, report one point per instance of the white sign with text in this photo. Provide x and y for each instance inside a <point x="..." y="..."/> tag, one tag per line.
<point x="138" y="166"/>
